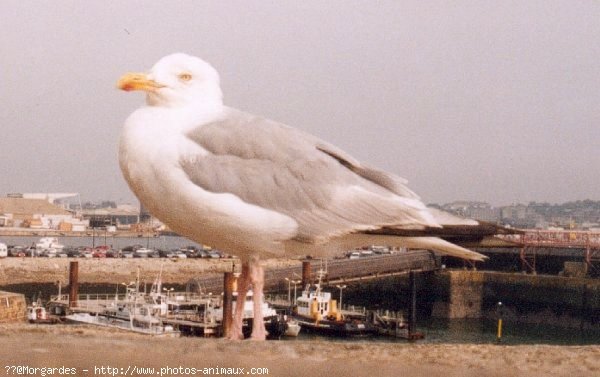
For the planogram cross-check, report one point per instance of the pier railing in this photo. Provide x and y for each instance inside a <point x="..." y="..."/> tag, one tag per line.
<point x="555" y="238"/>
<point x="338" y="270"/>
<point x="584" y="244"/>
<point x="91" y="302"/>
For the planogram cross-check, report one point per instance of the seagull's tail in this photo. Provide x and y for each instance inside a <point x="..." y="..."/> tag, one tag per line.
<point x="435" y="244"/>
<point x="441" y="246"/>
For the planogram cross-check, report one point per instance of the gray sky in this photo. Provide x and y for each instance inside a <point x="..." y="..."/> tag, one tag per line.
<point x="482" y="100"/>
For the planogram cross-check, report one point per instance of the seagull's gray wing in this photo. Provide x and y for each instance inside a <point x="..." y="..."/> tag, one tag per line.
<point x="326" y="191"/>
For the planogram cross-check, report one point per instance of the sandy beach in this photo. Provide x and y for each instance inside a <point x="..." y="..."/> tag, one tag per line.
<point x="85" y="350"/>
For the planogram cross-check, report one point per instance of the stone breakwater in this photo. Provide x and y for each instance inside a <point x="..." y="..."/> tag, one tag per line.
<point x="108" y="270"/>
<point x="12" y="307"/>
<point x="564" y="301"/>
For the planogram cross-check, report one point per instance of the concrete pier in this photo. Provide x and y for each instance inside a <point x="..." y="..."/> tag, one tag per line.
<point x="461" y="293"/>
<point x="565" y="301"/>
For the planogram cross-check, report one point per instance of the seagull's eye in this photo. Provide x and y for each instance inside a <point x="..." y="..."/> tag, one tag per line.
<point x="185" y="77"/>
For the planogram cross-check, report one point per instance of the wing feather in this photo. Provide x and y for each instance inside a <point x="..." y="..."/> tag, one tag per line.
<point x="274" y="166"/>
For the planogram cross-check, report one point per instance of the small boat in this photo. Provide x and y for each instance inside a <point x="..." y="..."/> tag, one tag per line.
<point x="389" y="323"/>
<point x="316" y="311"/>
<point x="36" y="313"/>
<point x="292" y="327"/>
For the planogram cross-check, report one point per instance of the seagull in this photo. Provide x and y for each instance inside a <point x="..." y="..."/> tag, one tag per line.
<point x="256" y="188"/>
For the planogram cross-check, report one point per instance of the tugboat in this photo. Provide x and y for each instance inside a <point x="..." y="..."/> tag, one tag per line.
<point x="317" y="312"/>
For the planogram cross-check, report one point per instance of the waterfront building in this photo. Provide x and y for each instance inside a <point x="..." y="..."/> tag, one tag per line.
<point x="37" y="213"/>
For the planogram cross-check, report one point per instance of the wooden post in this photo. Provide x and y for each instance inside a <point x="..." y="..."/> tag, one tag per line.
<point x="227" y="303"/>
<point x="412" y="317"/>
<point x="73" y="283"/>
<point x="305" y="273"/>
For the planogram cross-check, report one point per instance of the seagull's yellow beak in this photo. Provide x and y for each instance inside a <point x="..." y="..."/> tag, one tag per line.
<point x="137" y="81"/>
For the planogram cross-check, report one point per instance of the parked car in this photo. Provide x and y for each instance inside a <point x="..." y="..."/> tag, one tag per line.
<point x="132" y="248"/>
<point x="72" y="252"/>
<point x="112" y="253"/>
<point x="180" y="254"/>
<point x="17" y="251"/>
<point x="99" y="253"/>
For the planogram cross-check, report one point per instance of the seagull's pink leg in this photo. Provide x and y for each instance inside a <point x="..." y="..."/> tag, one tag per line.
<point x="238" y="316"/>
<point x="257" y="277"/>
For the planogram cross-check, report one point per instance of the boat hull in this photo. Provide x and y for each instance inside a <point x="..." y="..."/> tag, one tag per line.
<point x="113" y="322"/>
<point x="274" y="325"/>
<point x="336" y="328"/>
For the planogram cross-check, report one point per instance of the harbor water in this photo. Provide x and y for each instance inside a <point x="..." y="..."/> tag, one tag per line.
<point x="484" y="331"/>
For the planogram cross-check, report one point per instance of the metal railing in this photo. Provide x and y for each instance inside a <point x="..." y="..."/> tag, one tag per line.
<point x="555" y="238"/>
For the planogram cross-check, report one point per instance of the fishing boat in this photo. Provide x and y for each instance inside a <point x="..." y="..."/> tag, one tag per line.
<point x="36" y="313"/>
<point x="139" y="324"/>
<point x="317" y="312"/>
<point x="137" y="311"/>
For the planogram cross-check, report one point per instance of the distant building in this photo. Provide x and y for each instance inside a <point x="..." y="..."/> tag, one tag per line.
<point x="39" y="213"/>
<point x="474" y="210"/>
<point x="484" y="213"/>
<point x="521" y="216"/>
<point x="122" y="217"/>
<point x="580" y="214"/>
<point x="52" y="198"/>
<point x="145" y="216"/>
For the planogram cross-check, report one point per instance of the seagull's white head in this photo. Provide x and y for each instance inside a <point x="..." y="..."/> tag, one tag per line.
<point x="177" y="80"/>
